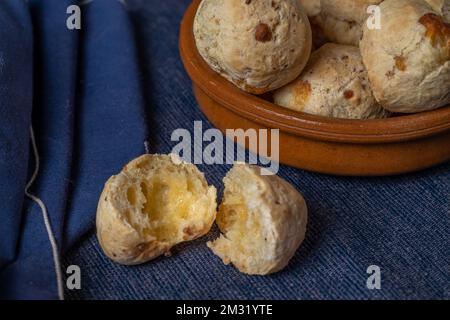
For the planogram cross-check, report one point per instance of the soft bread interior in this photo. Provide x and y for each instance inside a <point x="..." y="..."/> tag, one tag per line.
<point x="165" y="201"/>
<point x="241" y="219"/>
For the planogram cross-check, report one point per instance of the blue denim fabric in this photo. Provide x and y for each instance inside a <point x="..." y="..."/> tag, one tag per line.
<point x="400" y="223"/>
<point x="85" y="103"/>
<point x="16" y="73"/>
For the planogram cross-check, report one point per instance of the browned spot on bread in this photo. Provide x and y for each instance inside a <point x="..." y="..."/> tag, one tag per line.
<point x="250" y="89"/>
<point x="302" y="92"/>
<point x="352" y="24"/>
<point x="263" y="33"/>
<point x="438" y="31"/>
<point x="390" y="74"/>
<point x="348" y="94"/>
<point x="248" y="1"/>
<point x="188" y="231"/>
<point x="400" y="63"/>
<point x="275" y="5"/>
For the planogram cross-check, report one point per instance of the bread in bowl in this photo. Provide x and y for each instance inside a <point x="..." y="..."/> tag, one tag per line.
<point x="342" y="20"/>
<point x="258" y="45"/>
<point x="333" y="84"/>
<point x="312" y="7"/>
<point x="408" y="59"/>
<point x="442" y="7"/>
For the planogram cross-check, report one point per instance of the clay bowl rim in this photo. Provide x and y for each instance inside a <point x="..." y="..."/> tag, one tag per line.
<point x="254" y="108"/>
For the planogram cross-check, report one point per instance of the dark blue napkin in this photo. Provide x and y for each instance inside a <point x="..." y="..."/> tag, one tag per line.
<point x="87" y="115"/>
<point x="16" y="69"/>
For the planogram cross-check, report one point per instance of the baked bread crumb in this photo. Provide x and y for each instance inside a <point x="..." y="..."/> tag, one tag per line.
<point x="262" y="219"/>
<point x="153" y="204"/>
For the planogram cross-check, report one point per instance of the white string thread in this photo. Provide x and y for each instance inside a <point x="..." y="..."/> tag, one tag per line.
<point x="51" y="237"/>
<point x="147" y="147"/>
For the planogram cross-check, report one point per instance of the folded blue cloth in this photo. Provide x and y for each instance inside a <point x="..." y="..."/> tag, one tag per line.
<point x="86" y="107"/>
<point x="16" y="71"/>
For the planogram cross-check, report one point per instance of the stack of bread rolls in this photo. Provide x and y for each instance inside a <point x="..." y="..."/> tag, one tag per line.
<point x="370" y="58"/>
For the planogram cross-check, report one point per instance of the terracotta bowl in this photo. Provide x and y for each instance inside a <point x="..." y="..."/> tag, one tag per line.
<point x="341" y="147"/>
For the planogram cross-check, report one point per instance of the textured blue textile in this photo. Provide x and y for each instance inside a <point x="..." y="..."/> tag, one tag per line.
<point x="401" y="224"/>
<point x="87" y="113"/>
<point x="16" y="71"/>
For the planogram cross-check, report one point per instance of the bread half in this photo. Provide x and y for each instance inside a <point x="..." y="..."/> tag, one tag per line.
<point x="153" y="204"/>
<point x="262" y="219"/>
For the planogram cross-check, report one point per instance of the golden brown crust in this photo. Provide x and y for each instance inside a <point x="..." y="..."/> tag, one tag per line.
<point x="438" y="32"/>
<point x="408" y="59"/>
